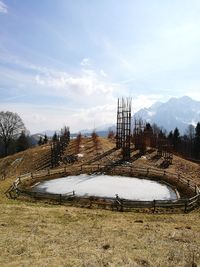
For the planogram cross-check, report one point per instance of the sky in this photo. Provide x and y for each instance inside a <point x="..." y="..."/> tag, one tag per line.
<point x="66" y="62"/>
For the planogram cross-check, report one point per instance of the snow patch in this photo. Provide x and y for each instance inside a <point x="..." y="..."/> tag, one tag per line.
<point x="150" y="113"/>
<point x="16" y="161"/>
<point x="80" y="155"/>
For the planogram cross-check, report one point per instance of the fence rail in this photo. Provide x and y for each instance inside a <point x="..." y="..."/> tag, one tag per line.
<point x="174" y="180"/>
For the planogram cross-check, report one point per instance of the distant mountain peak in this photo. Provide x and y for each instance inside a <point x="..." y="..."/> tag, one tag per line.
<point x="176" y="112"/>
<point x="185" y="97"/>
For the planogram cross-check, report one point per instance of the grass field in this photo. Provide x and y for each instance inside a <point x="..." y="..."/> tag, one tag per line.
<point x="40" y="234"/>
<point x="37" y="234"/>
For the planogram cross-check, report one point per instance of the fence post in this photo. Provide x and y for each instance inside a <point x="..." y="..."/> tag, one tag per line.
<point x="117" y="201"/>
<point x="196" y="189"/>
<point x="60" y="198"/>
<point x="178" y="178"/>
<point x="10" y="194"/>
<point x="154" y="205"/>
<point x="186" y="204"/>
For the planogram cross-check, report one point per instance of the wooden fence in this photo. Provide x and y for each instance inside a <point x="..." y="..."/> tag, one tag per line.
<point x="174" y="180"/>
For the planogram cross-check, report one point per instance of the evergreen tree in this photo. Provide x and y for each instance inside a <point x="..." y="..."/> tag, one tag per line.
<point x="161" y="135"/>
<point x="45" y="140"/>
<point x="176" y="138"/>
<point x="170" y="137"/>
<point x="197" y="130"/>
<point x="65" y="135"/>
<point x="197" y="141"/>
<point x="148" y="127"/>
<point x="40" y="142"/>
<point x="55" y="137"/>
<point x="22" y="142"/>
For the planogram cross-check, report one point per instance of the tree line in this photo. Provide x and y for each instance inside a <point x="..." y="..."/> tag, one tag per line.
<point x="13" y="135"/>
<point x="15" y="138"/>
<point x="187" y="145"/>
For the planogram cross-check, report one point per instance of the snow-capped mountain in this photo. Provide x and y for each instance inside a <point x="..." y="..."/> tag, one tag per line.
<point x="176" y="112"/>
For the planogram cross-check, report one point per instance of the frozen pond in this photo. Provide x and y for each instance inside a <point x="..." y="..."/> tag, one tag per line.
<point x="108" y="186"/>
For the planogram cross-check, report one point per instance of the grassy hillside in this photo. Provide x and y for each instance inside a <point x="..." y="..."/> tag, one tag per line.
<point x="38" y="234"/>
<point x="43" y="235"/>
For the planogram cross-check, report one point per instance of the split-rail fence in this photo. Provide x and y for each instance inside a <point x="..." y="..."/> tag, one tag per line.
<point x="179" y="182"/>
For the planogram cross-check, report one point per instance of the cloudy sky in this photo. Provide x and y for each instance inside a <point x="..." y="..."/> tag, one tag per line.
<point x="67" y="61"/>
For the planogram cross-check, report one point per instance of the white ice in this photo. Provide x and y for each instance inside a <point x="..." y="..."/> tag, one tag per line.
<point x="108" y="186"/>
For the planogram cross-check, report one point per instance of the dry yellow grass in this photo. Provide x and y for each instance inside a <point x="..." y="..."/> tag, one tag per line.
<point x="22" y="162"/>
<point x="43" y="235"/>
<point x="39" y="234"/>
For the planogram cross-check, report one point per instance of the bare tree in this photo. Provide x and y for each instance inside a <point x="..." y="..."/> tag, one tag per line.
<point x="78" y="143"/>
<point x="111" y="134"/>
<point x="95" y="140"/>
<point x="11" y="126"/>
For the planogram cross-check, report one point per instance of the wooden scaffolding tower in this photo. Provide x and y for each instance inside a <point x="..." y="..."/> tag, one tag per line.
<point x="123" y="133"/>
<point x="58" y="147"/>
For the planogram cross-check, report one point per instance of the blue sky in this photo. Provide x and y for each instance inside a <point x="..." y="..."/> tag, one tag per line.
<point x="67" y="61"/>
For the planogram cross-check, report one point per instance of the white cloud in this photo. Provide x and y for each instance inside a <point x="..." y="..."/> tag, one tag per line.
<point x="102" y="72"/>
<point x="38" y="118"/>
<point x="94" y="97"/>
<point x="86" y="62"/>
<point x="3" y="7"/>
<point x="87" y="83"/>
<point x="96" y="116"/>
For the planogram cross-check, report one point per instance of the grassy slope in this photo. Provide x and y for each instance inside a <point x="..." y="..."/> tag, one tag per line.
<point x="39" y="234"/>
<point x="42" y="235"/>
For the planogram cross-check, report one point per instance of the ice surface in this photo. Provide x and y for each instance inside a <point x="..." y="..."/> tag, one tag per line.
<point x="108" y="186"/>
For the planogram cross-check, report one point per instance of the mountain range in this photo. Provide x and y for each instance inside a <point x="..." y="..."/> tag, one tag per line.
<point x="176" y="112"/>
